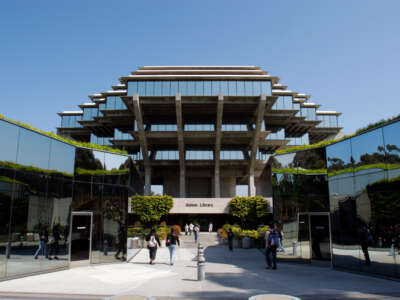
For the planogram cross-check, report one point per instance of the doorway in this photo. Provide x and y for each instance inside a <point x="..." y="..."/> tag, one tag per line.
<point x="315" y="236"/>
<point x="80" y="246"/>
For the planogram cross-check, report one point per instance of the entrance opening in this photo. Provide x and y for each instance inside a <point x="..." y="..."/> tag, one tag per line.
<point x="315" y="236"/>
<point x="81" y="237"/>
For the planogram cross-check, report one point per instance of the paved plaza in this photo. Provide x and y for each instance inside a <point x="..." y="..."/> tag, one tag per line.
<point x="229" y="275"/>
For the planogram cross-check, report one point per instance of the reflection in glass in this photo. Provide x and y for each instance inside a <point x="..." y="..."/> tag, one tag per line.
<point x="392" y="147"/>
<point x="9" y="136"/>
<point x="368" y="152"/>
<point x="34" y="149"/>
<point x="339" y="159"/>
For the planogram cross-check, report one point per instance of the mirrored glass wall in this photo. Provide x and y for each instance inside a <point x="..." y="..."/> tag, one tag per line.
<point x="41" y="181"/>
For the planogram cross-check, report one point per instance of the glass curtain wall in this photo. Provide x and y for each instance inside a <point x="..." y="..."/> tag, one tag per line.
<point x="41" y="181"/>
<point x="200" y="88"/>
<point x="36" y="175"/>
<point x="300" y="185"/>
<point x="364" y="194"/>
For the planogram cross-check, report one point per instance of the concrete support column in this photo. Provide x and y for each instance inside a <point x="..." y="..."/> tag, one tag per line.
<point x="252" y="186"/>
<point x="181" y="146"/>
<point x="143" y="144"/>
<point x="147" y="181"/>
<point x="259" y="114"/>
<point x="218" y="129"/>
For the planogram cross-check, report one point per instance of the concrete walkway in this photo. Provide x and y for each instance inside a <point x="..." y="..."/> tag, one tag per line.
<point x="229" y="275"/>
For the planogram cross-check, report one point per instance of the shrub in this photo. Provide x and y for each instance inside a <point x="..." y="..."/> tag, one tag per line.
<point x="249" y="233"/>
<point x="163" y="224"/>
<point x="237" y="232"/>
<point x="137" y="223"/>
<point x="262" y="230"/>
<point x="249" y="209"/>
<point x="151" y="208"/>
<point x="226" y="227"/>
<point x="163" y="232"/>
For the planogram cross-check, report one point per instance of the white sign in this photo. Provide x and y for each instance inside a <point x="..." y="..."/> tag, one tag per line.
<point x="200" y="206"/>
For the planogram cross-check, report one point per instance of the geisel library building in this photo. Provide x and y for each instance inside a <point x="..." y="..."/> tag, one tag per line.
<point x="202" y="135"/>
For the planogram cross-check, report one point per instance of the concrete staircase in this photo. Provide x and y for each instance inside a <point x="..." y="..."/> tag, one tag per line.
<point x="205" y="238"/>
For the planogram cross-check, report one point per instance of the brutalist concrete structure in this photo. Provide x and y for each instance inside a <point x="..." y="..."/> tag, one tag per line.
<point x="199" y="131"/>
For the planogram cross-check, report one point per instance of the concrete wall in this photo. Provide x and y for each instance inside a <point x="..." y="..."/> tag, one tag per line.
<point x="264" y="184"/>
<point x="228" y="186"/>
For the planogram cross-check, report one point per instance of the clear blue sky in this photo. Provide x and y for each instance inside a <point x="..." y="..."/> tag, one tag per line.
<point x="55" y="53"/>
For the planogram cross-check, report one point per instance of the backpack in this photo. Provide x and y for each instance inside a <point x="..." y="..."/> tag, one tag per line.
<point x="152" y="242"/>
<point x="273" y="238"/>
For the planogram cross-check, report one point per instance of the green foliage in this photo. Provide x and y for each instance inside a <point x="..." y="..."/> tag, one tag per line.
<point x="68" y="141"/>
<point x="378" y="124"/>
<point x="262" y="230"/>
<point x="80" y="171"/>
<point x="249" y="233"/>
<point x="226" y="227"/>
<point x="382" y="166"/>
<point x="163" y="232"/>
<point x="11" y="165"/>
<point x="299" y="171"/>
<point x="248" y="209"/>
<point x="237" y="231"/>
<point x="151" y="208"/>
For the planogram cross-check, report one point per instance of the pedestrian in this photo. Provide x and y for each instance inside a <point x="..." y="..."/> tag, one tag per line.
<point x="44" y="238"/>
<point x="272" y="243"/>
<point x="121" y="243"/>
<point x="365" y="239"/>
<point x="196" y="231"/>
<point x="191" y="227"/>
<point x="153" y="241"/>
<point x="210" y="227"/>
<point x="172" y="240"/>
<point x="54" y="245"/>
<point x="230" y="239"/>
<point x="186" y="229"/>
<point x="280" y="246"/>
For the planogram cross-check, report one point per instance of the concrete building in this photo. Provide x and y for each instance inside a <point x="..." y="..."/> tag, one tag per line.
<point x="200" y="133"/>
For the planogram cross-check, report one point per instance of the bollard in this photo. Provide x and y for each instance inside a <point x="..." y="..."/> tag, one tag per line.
<point x="201" y="265"/>
<point x="294" y="244"/>
<point x="391" y="252"/>
<point x="105" y="248"/>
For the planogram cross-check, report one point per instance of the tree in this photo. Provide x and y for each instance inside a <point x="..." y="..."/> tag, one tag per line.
<point x="151" y="208"/>
<point x="249" y="209"/>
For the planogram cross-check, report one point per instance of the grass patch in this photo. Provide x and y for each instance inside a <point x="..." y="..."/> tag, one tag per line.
<point x="11" y="165"/>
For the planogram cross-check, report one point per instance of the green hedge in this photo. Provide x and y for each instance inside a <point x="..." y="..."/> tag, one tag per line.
<point x="151" y="208"/>
<point x="249" y="209"/>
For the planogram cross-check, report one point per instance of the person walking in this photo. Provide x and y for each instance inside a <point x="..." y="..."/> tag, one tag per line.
<point x="153" y="241"/>
<point x="230" y="239"/>
<point x="272" y="243"/>
<point x="54" y="245"/>
<point x="196" y="231"/>
<point x="186" y="229"/>
<point x="172" y="240"/>
<point x="210" y="227"/>
<point x="44" y="238"/>
<point x="121" y="243"/>
<point x="365" y="239"/>
<point x="191" y="227"/>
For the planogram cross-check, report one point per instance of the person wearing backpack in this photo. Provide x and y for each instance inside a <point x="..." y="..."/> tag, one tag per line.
<point x="152" y="240"/>
<point x="272" y="243"/>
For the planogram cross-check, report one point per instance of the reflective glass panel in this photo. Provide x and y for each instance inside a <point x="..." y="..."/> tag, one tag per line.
<point x="191" y="88"/>
<point x="33" y="150"/>
<point x="174" y="88"/>
<point x="224" y="88"/>
<point x="248" y="88"/>
<point x="232" y="88"/>
<point x="62" y="157"/>
<point x="199" y="88"/>
<point x="368" y="152"/>
<point x="150" y="88"/>
<point x="9" y="136"/>
<point x="216" y="87"/>
<point x="339" y="159"/>
<point x="392" y="146"/>
<point x="207" y="88"/>
<point x="256" y="88"/>
<point x="166" y="88"/>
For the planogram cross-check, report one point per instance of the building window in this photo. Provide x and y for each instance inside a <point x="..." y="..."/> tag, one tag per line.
<point x="199" y="155"/>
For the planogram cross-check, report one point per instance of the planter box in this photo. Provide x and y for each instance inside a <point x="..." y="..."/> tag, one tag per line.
<point x="163" y="243"/>
<point x="246" y="242"/>
<point x="235" y="243"/>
